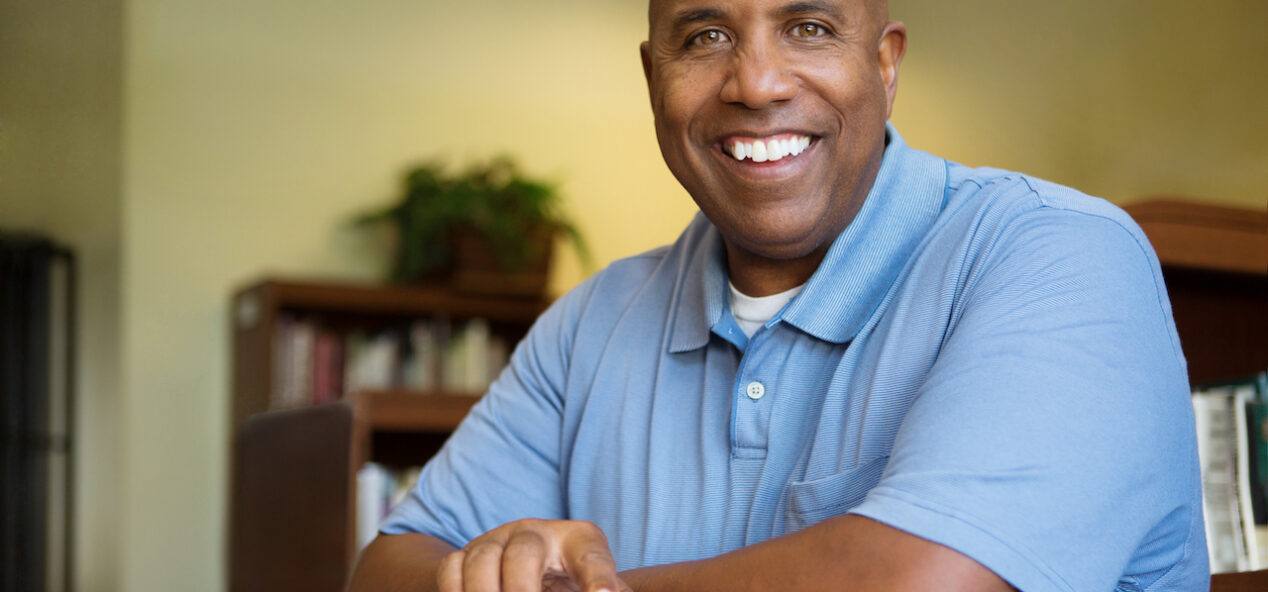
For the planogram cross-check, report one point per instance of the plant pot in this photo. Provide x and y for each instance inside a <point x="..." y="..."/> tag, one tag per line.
<point x="477" y="270"/>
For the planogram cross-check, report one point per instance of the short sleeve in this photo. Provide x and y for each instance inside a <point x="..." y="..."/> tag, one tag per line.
<point x="502" y="463"/>
<point x="1052" y="441"/>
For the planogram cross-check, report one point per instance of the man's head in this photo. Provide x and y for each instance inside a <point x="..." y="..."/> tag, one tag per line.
<point x="723" y="73"/>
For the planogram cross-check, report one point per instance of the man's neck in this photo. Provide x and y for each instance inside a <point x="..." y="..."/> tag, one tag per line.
<point x="757" y="276"/>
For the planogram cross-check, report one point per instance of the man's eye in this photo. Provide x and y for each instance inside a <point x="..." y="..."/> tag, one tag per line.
<point x="710" y="37"/>
<point x="809" y="30"/>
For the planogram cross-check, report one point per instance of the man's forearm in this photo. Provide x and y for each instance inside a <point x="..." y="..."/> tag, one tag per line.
<point x="845" y="553"/>
<point x="399" y="563"/>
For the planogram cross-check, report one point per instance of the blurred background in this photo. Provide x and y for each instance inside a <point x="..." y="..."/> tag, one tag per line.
<point x="183" y="148"/>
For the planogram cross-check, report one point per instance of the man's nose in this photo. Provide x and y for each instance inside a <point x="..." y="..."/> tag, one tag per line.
<point x="758" y="78"/>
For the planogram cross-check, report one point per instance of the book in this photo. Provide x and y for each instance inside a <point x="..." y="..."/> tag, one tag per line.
<point x="1230" y="427"/>
<point x="1212" y="415"/>
<point x="379" y="489"/>
<point x="327" y="371"/>
<point x="314" y="363"/>
<point x="373" y="362"/>
<point x="474" y="358"/>
<point x="293" y="353"/>
<point x="1257" y="433"/>
<point x="1242" y="397"/>
<point x="421" y="368"/>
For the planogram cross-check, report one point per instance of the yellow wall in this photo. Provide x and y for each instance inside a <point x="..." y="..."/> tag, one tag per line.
<point x="1118" y="98"/>
<point x="251" y="130"/>
<point x="254" y="129"/>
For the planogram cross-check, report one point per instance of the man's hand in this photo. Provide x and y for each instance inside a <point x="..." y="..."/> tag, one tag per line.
<point x="532" y="556"/>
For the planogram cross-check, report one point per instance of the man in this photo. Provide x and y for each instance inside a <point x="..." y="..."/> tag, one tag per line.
<point x="863" y="368"/>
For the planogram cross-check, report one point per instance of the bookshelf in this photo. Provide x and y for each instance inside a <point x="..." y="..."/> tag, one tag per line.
<point x="294" y="467"/>
<point x="1215" y="263"/>
<point x="259" y="309"/>
<point x="294" y="470"/>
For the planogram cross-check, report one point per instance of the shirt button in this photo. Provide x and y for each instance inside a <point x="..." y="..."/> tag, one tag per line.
<point x="755" y="390"/>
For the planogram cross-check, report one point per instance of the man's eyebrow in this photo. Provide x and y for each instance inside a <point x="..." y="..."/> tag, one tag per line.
<point x="812" y="6"/>
<point x="692" y="16"/>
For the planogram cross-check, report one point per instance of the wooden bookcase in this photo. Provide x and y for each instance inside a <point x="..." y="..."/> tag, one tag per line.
<point x="1215" y="263"/>
<point x="293" y="486"/>
<point x="294" y="470"/>
<point x="258" y="308"/>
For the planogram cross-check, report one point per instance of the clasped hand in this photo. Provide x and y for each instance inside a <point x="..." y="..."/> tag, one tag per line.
<point x="532" y="556"/>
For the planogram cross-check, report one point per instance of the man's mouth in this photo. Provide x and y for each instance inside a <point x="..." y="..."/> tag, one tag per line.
<point x="768" y="149"/>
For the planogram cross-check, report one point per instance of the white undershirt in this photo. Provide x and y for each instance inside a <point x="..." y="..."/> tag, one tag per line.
<point x="751" y="313"/>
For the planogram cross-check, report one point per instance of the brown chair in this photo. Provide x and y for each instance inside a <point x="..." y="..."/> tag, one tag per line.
<point x="1247" y="581"/>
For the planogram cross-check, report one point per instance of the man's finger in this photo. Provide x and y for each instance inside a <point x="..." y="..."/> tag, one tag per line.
<point x="590" y="563"/>
<point x="558" y="582"/>
<point x="524" y="562"/>
<point x="449" y="576"/>
<point x="482" y="567"/>
<point x="595" y="571"/>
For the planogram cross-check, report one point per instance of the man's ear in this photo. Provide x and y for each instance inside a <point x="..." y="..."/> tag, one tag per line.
<point x="893" y="44"/>
<point x="644" y="51"/>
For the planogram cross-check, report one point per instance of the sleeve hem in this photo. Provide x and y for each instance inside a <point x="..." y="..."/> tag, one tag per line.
<point x="964" y="534"/>
<point x="394" y="528"/>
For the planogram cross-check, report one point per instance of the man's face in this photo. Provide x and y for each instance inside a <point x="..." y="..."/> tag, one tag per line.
<point x="771" y="113"/>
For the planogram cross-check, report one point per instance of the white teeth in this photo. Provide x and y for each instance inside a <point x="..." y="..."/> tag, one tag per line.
<point x="776" y="151"/>
<point x="770" y="150"/>
<point x="759" y="151"/>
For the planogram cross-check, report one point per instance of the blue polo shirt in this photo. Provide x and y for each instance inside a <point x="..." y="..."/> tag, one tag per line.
<point x="982" y="359"/>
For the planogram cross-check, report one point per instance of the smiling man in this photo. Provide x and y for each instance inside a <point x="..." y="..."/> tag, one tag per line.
<point x="863" y="367"/>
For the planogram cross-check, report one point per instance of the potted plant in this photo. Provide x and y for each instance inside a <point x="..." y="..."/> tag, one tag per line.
<point x="485" y="229"/>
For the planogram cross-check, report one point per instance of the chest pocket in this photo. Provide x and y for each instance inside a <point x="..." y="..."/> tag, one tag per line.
<point x="810" y="502"/>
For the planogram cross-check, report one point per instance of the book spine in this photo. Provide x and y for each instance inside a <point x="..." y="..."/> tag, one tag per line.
<point x="1215" y="437"/>
<point x="369" y="494"/>
<point x="300" y="368"/>
<point x="1242" y="397"/>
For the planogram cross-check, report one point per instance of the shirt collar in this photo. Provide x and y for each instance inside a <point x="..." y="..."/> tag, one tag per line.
<point x="857" y="271"/>
<point x="702" y="295"/>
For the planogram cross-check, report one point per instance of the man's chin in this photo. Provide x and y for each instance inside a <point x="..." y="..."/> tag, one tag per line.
<point x="778" y="247"/>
